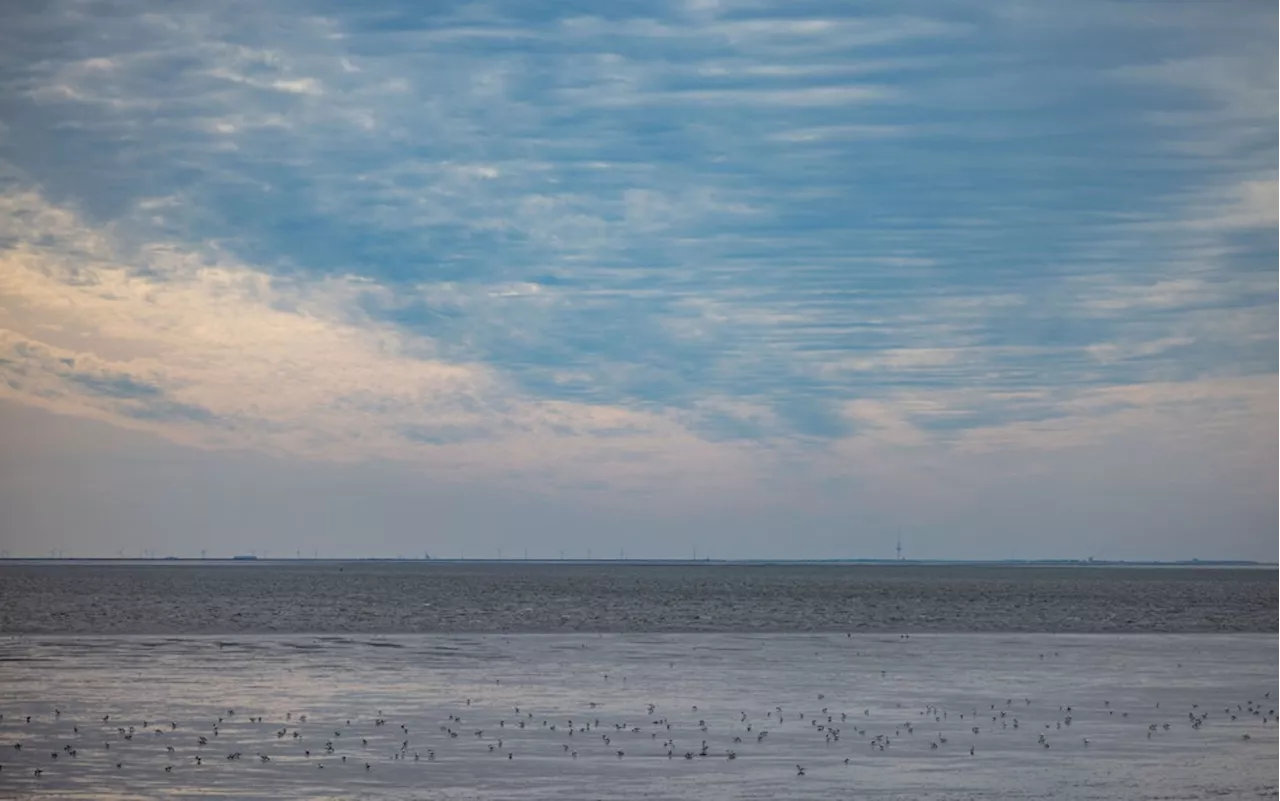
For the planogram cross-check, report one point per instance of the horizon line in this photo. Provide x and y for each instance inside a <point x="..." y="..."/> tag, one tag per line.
<point x="670" y="561"/>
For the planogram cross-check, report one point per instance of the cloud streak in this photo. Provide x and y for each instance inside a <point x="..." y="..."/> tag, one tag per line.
<point x="713" y="246"/>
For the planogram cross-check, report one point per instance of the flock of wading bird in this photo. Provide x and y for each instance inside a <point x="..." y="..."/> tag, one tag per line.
<point x="58" y="743"/>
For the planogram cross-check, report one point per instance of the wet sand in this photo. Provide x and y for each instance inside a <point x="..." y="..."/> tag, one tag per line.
<point x="416" y="597"/>
<point x="1165" y="716"/>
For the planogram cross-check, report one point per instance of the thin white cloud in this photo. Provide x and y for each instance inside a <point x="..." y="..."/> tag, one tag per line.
<point x="827" y="133"/>
<point x="1191" y="414"/>
<point x="234" y="358"/>
<point x="809" y="96"/>
<point x="1112" y="352"/>
<point x="1164" y="294"/>
<point x="772" y="32"/>
<point x="1251" y="203"/>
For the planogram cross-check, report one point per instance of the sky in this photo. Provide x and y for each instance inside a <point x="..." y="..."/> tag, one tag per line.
<point x="750" y="279"/>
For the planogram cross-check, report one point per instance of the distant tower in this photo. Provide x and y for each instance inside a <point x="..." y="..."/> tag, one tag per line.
<point x="899" y="548"/>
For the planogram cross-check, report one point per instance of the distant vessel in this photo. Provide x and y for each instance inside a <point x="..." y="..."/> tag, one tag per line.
<point x="244" y="557"/>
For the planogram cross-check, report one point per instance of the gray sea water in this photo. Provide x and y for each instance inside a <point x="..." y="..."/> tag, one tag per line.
<point x="1081" y="684"/>
<point x="417" y="597"/>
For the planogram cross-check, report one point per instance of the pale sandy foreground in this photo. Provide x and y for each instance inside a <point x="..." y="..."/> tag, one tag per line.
<point x="900" y="716"/>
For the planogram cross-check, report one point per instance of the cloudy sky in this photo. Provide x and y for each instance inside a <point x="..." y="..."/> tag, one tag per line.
<point x="766" y="280"/>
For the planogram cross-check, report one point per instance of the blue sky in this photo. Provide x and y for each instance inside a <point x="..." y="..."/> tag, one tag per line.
<point x="780" y="278"/>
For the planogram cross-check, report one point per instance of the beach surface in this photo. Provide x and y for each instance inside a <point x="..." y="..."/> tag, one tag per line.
<point x="901" y="716"/>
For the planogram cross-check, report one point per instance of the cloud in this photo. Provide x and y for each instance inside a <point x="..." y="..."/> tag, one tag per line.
<point x="839" y="132"/>
<point x="1110" y="352"/>
<point x="120" y="386"/>
<point x="176" y="338"/>
<point x="715" y="245"/>
<point x="1249" y="204"/>
<point x="808" y="96"/>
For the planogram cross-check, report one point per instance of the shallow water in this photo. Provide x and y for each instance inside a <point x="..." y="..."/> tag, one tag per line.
<point x="407" y="597"/>
<point x="1115" y="685"/>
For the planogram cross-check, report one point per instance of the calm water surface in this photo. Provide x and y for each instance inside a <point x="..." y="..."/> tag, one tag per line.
<point x="409" y="597"/>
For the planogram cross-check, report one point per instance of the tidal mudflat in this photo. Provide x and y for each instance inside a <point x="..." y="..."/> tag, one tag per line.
<point x="406" y="681"/>
<point x="703" y="716"/>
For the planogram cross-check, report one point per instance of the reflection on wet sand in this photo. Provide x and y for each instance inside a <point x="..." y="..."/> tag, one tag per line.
<point x="707" y="716"/>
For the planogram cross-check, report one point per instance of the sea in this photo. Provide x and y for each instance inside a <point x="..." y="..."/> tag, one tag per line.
<point x="415" y="680"/>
